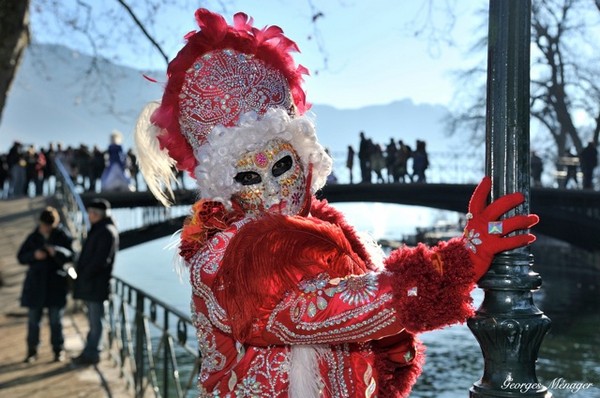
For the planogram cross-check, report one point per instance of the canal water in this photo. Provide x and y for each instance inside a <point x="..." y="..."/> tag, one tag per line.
<point x="569" y="359"/>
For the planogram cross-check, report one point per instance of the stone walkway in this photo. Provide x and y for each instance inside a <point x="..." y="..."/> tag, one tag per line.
<point x="43" y="378"/>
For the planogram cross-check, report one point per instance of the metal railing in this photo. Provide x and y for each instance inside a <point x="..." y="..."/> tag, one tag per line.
<point x="444" y="167"/>
<point x="71" y="205"/>
<point x="151" y="342"/>
<point x="136" y="218"/>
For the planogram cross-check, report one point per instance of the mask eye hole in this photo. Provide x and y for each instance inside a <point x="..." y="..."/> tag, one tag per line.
<point x="247" y="178"/>
<point x="282" y="165"/>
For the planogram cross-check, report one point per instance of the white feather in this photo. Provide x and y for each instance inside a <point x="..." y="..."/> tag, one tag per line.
<point x="374" y="249"/>
<point x="305" y="375"/>
<point x="155" y="163"/>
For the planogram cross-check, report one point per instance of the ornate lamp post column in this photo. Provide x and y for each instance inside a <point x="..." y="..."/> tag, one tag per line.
<point x="508" y="325"/>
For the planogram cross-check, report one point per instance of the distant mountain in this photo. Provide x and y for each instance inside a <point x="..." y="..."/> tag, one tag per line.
<point x="58" y="95"/>
<point x="71" y="98"/>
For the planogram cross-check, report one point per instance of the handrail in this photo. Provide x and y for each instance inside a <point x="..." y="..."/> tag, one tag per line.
<point x="153" y="357"/>
<point x="149" y="341"/>
<point x="72" y="206"/>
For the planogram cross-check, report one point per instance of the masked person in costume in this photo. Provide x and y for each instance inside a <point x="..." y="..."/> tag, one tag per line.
<point x="288" y="299"/>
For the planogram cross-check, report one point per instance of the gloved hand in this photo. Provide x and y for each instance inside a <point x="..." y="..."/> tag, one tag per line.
<point x="484" y="235"/>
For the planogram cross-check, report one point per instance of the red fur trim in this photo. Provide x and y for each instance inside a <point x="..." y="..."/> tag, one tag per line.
<point x="268" y="44"/>
<point x="442" y="298"/>
<point x="270" y="256"/>
<point x="322" y="210"/>
<point x="397" y="381"/>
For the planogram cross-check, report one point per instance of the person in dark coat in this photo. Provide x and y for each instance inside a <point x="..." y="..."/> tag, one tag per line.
<point x="420" y="162"/>
<point x="45" y="251"/>
<point x="350" y="162"/>
<point x="589" y="161"/>
<point x="94" y="270"/>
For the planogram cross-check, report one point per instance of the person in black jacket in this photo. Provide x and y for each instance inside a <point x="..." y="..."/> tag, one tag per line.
<point x="94" y="269"/>
<point x="45" y="251"/>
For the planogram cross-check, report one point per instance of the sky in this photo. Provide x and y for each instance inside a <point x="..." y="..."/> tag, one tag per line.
<point x="372" y="54"/>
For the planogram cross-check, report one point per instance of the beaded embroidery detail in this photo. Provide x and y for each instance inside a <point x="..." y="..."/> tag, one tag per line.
<point x="358" y="290"/>
<point x="222" y="85"/>
<point x="315" y="295"/>
<point x="212" y="359"/>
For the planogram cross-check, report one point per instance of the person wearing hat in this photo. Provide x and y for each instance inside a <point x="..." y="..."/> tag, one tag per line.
<point x="45" y="251"/>
<point x="288" y="299"/>
<point x="94" y="270"/>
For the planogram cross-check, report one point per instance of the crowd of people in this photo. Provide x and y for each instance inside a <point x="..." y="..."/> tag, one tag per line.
<point x="400" y="162"/>
<point x="397" y="162"/>
<point x="26" y="170"/>
<point x="573" y="167"/>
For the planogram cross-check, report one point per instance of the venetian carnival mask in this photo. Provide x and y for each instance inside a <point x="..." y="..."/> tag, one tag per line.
<point x="271" y="180"/>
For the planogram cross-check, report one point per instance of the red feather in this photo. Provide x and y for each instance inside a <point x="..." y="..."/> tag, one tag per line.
<point x="268" y="257"/>
<point x="322" y="210"/>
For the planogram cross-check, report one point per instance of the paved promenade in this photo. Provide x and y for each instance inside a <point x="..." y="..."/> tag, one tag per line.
<point x="43" y="378"/>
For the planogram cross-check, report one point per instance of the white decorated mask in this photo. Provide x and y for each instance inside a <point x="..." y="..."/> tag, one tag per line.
<point x="271" y="180"/>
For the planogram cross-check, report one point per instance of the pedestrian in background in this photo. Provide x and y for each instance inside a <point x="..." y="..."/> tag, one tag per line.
<point x="350" y="162"/>
<point x="116" y="175"/>
<point x="589" y="161"/>
<point x="364" y="157"/>
<point x="94" y="269"/>
<point x="537" y="168"/>
<point x="571" y="160"/>
<point x="45" y="251"/>
<point x="420" y="162"/>
<point x="391" y="152"/>
<point x="377" y="161"/>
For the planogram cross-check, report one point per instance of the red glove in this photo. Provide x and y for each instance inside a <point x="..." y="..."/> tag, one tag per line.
<point x="485" y="236"/>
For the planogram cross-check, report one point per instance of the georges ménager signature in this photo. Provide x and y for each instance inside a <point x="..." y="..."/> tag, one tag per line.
<point x="557" y="384"/>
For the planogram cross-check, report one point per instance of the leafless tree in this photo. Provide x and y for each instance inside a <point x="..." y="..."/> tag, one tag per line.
<point x="565" y="89"/>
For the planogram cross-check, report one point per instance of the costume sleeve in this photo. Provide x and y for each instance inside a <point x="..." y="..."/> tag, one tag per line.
<point x="414" y="293"/>
<point x="323" y="310"/>
<point x="420" y="289"/>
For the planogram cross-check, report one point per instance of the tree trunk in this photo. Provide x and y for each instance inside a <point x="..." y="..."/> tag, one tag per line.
<point x="14" y="38"/>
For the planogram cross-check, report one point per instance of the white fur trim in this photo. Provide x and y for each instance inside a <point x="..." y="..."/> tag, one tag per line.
<point x="226" y="145"/>
<point x="305" y="375"/>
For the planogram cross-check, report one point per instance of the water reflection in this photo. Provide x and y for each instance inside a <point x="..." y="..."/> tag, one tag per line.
<point x="569" y="356"/>
<point x="569" y="296"/>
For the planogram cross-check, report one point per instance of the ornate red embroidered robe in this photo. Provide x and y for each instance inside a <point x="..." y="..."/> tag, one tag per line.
<point x="294" y="306"/>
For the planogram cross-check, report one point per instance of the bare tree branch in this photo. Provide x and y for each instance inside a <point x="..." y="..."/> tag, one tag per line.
<point x="143" y="29"/>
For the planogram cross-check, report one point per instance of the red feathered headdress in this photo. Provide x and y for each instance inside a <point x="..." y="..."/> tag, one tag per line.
<point x="221" y="73"/>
